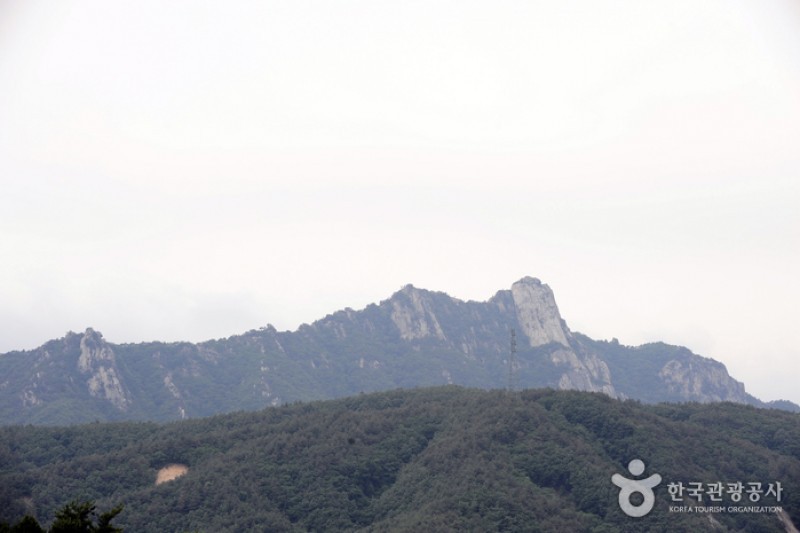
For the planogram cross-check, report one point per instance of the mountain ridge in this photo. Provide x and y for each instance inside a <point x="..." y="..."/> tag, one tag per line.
<point x="416" y="337"/>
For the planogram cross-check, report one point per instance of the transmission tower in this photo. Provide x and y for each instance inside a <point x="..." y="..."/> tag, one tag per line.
<point x="512" y="357"/>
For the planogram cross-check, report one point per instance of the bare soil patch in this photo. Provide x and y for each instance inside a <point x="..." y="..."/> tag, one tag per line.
<point x="170" y="472"/>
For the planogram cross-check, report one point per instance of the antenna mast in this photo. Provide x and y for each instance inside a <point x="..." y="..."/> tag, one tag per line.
<point x="512" y="359"/>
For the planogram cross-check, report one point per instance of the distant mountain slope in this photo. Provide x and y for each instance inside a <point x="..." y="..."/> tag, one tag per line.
<point x="438" y="459"/>
<point x="415" y="338"/>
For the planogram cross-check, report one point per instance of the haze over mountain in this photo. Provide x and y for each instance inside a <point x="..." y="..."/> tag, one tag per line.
<point x="414" y="338"/>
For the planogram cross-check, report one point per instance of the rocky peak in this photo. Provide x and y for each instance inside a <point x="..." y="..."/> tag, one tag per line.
<point x="97" y="359"/>
<point x="537" y="313"/>
<point x="94" y="351"/>
<point x="412" y="312"/>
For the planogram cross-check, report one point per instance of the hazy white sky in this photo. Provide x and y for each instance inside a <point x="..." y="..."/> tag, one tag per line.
<point x="191" y="170"/>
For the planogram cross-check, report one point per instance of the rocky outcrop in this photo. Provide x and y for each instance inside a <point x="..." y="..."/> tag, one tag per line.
<point x="97" y="359"/>
<point x="587" y="373"/>
<point x="537" y="313"/>
<point x="413" y="315"/>
<point x="540" y="321"/>
<point x="702" y="380"/>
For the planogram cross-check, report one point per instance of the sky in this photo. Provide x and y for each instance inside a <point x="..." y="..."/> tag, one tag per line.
<point x="189" y="170"/>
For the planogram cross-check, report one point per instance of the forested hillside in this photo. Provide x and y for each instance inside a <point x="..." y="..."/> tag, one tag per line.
<point x="439" y="459"/>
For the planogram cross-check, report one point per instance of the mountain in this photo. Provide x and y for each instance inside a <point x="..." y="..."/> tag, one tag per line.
<point x="434" y="459"/>
<point x="415" y="338"/>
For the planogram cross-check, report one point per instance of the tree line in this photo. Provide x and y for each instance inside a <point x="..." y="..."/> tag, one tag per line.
<point x="442" y="459"/>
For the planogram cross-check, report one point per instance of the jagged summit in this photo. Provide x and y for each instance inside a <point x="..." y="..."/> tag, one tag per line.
<point x="416" y="337"/>
<point x="531" y="309"/>
<point x="414" y="315"/>
<point x="537" y="313"/>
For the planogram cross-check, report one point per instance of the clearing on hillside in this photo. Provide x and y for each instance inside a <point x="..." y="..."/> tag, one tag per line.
<point x="170" y="472"/>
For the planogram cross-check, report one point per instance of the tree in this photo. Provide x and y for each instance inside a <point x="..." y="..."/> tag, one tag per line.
<point x="79" y="517"/>
<point x="28" y="524"/>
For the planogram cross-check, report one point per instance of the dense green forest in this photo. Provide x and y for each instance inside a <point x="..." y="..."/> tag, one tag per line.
<point x="436" y="459"/>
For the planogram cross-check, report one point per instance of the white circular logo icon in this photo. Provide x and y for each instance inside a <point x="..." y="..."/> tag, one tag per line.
<point x="630" y="486"/>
